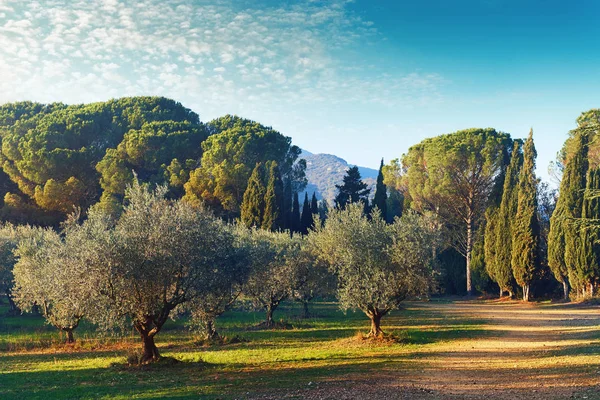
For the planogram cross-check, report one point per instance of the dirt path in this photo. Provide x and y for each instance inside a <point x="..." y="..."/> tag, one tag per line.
<point x="524" y="351"/>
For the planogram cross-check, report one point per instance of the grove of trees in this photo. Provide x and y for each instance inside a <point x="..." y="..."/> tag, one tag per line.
<point x="130" y="212"/>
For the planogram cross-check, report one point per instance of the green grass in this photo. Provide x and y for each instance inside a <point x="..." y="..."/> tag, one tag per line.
<point x="438" y="336"/>
<point x="33" y="363"/>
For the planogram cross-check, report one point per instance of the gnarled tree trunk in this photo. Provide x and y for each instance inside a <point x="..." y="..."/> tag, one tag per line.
<point x="375" y="315"/>
<point x="210" y="330"/>
<point x="147" y="330"/>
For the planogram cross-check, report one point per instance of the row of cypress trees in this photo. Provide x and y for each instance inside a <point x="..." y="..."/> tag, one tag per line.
<point x="512" y="232"/>
<point x="268" y="205"/>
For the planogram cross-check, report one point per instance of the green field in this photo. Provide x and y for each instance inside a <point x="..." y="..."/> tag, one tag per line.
<point x="443" y="349"/>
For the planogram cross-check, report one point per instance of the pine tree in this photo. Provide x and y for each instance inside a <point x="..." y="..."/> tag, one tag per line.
<point x="526" y="230"/>
<point x="380" y="199"/>
<point x="296" y="224"/>
<point x="273" y="218"/>
<point x="498" y="231"/>
<point x="352" y="190"/>
<point x="306" y="218"/>
<point x="253" y="203"/>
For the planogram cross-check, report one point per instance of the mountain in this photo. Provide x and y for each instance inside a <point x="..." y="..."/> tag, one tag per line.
<point x="324" y="171"/>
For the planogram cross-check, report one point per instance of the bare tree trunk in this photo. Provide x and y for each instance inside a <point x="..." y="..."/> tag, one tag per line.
<point x="525" y="292"/>
<point x="469" y="251"/>
<point x="501" y="292"/>
<point x="375" y="316"/>
<point x="305" y="311"/>
<point x="70" y="338"/>
<point x="591" y="290"/>
<point x="270" y="310"/>
<point x="565" y="284"/>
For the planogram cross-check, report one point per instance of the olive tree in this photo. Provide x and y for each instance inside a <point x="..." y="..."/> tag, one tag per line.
<point x="274" y="269"/>
<point x="377" y="265"/>
<point x="49" y="275"/>
<point x="151" y="262"/>
<point x="222" y="287"/>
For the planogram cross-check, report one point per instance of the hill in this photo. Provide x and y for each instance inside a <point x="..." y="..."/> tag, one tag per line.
<point x="324" y="171"/>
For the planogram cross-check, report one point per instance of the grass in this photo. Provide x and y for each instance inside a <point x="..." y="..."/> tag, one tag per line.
<point x="438" y="339"/>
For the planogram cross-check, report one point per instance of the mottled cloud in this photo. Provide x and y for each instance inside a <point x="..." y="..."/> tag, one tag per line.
<point x="214" y="56"/>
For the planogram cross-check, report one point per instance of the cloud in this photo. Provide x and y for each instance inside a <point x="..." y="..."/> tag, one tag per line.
<point x="214" y="56"/>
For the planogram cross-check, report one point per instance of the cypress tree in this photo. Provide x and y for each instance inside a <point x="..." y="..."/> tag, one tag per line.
<point x="323" y="210"/>
<point x="352" y="190"/>
<point x="587" y="267"/>
<point x="577" y="168"/>
<point x="380" y="199"/>
<point x="296" y="224"/>
<point x="568" y="206"/>
<point x="526" y="230"/>
<point x="273" y="218"/>
<point x="498" y="232"/>
<point x="287" y="205"/>
<point x="306" y="218"/>
<point x="314" y="204"/>
<point x="253" y="203"/>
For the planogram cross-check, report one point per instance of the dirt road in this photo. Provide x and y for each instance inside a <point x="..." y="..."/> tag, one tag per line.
<point x="522" y="351"/>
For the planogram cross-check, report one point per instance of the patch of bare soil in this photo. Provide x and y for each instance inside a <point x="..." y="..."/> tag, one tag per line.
<point x="527" y="351"/>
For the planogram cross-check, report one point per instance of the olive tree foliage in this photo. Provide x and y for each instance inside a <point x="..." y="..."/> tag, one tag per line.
<point x="276" y="268"/>
<point x="10" y="236"/>
<point x="151" y="262"/>
<point x="222" y="287"/>
<point x="377" y="265"/>
<point x="51" y="274"/>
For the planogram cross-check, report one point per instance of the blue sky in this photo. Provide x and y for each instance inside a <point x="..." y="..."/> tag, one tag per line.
<point x="359" y="79"/>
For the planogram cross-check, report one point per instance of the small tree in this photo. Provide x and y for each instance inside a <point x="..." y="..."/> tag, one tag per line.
<point x="221" y="288"/>
<point x="377" y="265"/>
<point x="274" y="271"/>
<point x="48" y="275"/>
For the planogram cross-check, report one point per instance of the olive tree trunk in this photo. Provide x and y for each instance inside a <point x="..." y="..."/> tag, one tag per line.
<point x="375" y="316"/>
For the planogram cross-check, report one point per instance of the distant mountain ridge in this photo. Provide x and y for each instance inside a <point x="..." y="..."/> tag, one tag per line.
<point x="324" y="171"/>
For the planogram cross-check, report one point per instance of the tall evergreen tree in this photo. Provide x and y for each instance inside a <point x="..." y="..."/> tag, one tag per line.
<point x="352" y="190"/>
<point x="526" y="230"/>
<point x="498" y="231"/>
<point x="380" y="199"/>
<point x="296" y="224"/>
<point x="306" y="218"/>
<point x="253" y="203"/>
<point x="287" y="204"/>
<point x="314" y="204"/>
<point x="562" y="240"/>
<point x="587" y="266"/>
<point x="323" y="210"/>
<point x="273" y="218"/>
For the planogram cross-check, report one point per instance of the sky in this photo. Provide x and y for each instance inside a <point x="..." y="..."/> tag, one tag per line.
<point x="360" y="79"/>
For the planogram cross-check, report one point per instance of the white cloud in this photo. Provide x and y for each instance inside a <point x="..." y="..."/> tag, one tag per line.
<point x="74" y="51"/>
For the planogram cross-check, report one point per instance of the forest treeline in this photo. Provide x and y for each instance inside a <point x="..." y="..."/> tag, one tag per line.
<point x="189" y="215"/>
